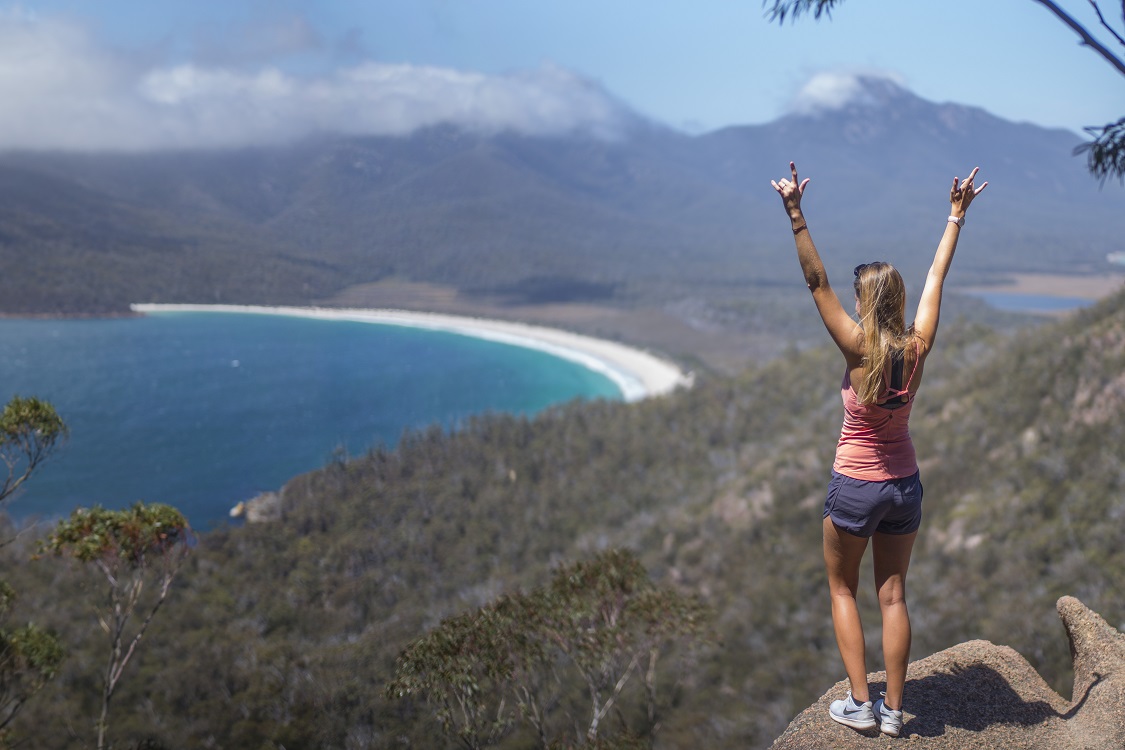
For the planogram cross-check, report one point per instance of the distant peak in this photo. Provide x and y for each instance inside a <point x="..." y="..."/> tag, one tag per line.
<point x="830" y="91"/>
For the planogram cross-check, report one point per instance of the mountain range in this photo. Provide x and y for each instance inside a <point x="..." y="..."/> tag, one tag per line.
<point x="651" y="214"/>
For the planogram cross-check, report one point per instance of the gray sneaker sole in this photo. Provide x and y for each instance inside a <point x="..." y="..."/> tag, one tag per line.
<point x="853" y="723"/>
<point x="891" y="730"/>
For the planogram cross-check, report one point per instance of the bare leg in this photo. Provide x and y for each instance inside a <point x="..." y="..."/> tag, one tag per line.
<point x="842" y="555"/>
<point x="892" y="558"/>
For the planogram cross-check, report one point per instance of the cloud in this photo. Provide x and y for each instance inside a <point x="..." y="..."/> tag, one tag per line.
<point x="829" y="91"/>
<point x="60" y="89"/>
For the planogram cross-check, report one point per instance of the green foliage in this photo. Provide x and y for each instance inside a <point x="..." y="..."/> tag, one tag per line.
<point x="463" y="667"/>
<point x="603" y="616"/>
<point x="30" y="431"/>
<point x="795" y="8"/>
<point x="127" y="538"/>
<point x="32" y="651"/>
<point x="1105" y="155"/>
<point x="29" y="658"/>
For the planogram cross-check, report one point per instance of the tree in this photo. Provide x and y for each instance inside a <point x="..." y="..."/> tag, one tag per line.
<point x="29" y="659"/>
<point x="486" y="669"/>
<point x="30" y="430"/>
<point x="1105" y="154"/>
<point x="464" y="666"/>
<point x="128" y="547"/>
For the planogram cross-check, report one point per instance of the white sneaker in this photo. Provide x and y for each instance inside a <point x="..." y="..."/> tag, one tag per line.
<point x="890" y="721"/>
<point x="852" y="714"/>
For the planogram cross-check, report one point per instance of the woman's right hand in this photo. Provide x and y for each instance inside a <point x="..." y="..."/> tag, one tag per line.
<point x="962" y="193"/>
<point x="791" y="192"/>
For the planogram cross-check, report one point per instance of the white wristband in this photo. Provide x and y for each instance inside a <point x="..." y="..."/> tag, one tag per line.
<point x="959" y="221"/>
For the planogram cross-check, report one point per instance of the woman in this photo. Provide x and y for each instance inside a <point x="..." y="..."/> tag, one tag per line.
<point x="875" y="493"/>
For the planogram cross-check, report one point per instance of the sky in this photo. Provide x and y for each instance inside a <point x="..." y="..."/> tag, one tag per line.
<point x="150" y="74"/>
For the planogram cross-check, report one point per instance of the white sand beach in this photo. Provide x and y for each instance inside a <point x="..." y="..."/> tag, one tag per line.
<point x="637" y="373"/>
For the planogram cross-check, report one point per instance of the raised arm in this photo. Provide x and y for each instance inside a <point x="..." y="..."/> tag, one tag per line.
<point x="844" y="330"/>
<point x="929" y="306"/>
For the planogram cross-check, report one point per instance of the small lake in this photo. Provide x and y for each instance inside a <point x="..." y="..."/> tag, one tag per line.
<point x="203" y="410"/>
<point x="1030" y="303"/>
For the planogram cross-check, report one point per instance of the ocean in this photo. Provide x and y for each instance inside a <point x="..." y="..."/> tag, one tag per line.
<point x="204" y="410"/>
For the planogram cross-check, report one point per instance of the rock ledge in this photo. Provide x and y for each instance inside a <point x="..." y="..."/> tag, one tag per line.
<point x="978" y="695"/>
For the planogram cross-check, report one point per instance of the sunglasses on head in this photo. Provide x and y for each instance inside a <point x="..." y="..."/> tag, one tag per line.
<point x="859" y="269"/>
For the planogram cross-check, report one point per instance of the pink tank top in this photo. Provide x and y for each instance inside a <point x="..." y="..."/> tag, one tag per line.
<point x="874" y="440"/>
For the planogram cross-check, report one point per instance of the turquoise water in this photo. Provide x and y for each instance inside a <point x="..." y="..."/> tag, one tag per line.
<point x="203" y="410"/>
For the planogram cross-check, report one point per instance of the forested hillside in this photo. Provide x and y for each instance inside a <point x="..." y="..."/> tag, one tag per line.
<point x="652" y="216"/>
<point x="286" y="633"/>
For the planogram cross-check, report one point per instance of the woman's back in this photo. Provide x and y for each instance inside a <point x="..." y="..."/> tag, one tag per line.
<point x="913" y="360"/>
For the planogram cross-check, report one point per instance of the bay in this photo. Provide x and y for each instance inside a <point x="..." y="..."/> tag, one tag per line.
<point x="203" y="410"/>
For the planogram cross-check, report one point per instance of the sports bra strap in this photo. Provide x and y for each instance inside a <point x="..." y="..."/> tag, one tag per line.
<point x="895" y="386"/>
<point x="897" y="393"/>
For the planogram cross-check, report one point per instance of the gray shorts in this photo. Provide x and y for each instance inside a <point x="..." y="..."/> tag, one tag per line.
<point x="861" y="508"/>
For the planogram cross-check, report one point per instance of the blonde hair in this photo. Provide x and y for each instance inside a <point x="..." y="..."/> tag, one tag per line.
<point x="882" y="317"/>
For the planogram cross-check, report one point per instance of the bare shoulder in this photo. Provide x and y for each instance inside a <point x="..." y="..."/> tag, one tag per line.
<point x="915" y="361"/>
<point x="921" y="348"/>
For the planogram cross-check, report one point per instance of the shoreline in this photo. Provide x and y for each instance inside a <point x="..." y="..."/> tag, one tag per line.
<point x="1079" y="286"/>
<point x="636" y="373"/>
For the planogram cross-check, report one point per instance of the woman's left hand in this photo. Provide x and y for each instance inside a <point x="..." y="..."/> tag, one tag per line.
<point x="963" y="192"/>
<point x="791" y="192"/>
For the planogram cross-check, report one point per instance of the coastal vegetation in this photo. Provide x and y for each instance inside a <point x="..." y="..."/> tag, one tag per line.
<point x="137" y="551"/>
<point x="30" y="431"/>
<point x="289" y="633"/>
<point x="506" y="662"/>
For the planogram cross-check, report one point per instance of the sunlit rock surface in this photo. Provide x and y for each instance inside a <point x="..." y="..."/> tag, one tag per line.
<point x="978" y="695"/>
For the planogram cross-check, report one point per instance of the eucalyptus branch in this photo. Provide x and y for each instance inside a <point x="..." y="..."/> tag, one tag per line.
<point x="140" y="633"/>
<point x="108" y="573"/>
<point x="465" y="719"/>
<point x="530" y="705"/>
<point x="11" y="464"/>
<point x="794" y="8"/>
<point x="650" y="685"/>
<point x="17" y="704"/>
<point x="1105" y="155"/>
<point x="1087" y="39"/>
<point x="1107" y="27"/>
<point x="22" y="532"/>
<point x="600" y="713"/>
<point x="11" y="485"/>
